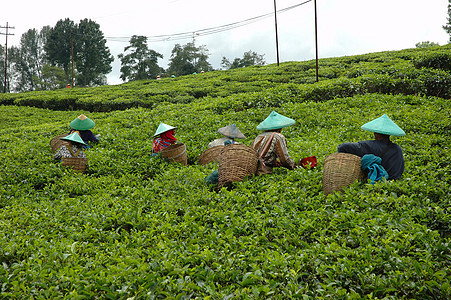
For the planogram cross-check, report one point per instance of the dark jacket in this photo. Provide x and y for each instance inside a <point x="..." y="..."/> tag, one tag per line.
<point x="86" y="135"/>
<point x="392" y="159"/>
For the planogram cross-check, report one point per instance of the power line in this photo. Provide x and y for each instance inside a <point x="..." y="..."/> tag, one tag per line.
<point x="207" y="31"/>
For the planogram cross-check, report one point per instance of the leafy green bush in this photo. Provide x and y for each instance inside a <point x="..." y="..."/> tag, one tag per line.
<point x="411" y="71"/>
<point x="436" y="60"/>
<point x="136" y="227"/>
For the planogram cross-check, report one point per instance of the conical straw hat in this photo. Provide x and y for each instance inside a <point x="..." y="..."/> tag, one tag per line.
<point x="163" y="128"/>
<point x="384" y="125"/>
<point x="231" y="131"/>
<point x="275" y="121"/>
<point x="74" y="137"/>
<point x="82" y="123"/>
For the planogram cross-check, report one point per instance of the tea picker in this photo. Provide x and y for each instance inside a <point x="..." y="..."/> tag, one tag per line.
<point x="230" y="133"/>
<point x="271" y="145"/>
<point x="390" y="154"/>
<point x="83" y="125"/>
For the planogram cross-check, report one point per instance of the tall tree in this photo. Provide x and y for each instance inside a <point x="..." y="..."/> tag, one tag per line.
<point x="447" y="27"/>
<point x="2" y="68"/>
<point x="58" y="45"/>
<point x="29" y="60"/>
<point x="10" y="74"/>
<point x="140" y="62"/>
<point x="250" y="58"/>
<point x="93" y="58"/>
<point x="51" y="78"/>
<point x="188" y="59"/>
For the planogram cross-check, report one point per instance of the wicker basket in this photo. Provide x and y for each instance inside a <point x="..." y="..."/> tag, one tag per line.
<point x="341" y="170"/>
<point x="77" y="163"/>
<point x="210" y="155"/>
<point x="57" y="142"/>
<point x="175" y="153"/>
<point x="236" y="162"/>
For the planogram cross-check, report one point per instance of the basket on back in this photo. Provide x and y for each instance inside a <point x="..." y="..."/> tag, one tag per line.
<point x="236" y="162"/>
<point x="78" y="164"/>
<point x="57" y="142"/>
<point x="175" y="153"/>
<point x="341" y="170"/>
<point x="210" y="155"/>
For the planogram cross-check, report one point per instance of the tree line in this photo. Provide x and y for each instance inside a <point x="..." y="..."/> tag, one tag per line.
<point x="76" y="54"/>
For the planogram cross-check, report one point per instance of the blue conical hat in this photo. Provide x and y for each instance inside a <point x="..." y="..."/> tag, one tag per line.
<point x="163" y="128"/>
<point x="82" y="123"/>
<point x="383" y="125"/>
<point x="231" y="131"/>
<point x="275" y="121"/>
<point x="74" y="137"/>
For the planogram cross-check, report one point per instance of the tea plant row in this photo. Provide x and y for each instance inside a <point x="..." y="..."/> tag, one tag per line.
<point x="137" y="226"/>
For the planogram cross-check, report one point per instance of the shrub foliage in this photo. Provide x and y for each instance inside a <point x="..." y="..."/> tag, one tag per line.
<point x="137" y="227"/>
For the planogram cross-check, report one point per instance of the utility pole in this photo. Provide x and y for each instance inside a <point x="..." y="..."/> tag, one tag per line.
<point x="277" y="38"/>
<point x="316" y="42"/>
<point x="6" y="51"/>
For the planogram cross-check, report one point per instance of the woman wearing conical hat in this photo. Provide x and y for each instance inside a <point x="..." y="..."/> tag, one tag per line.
<point x="163" y="137"/>
<point x="381" y="146"/>
<point x="230" y="133"/>
<point x="83" y="125"/>
<point x="271" y="145"/>
<point x="73" y="149"/>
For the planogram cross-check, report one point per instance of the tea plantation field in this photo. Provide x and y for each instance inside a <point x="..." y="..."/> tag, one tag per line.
<point x="136" y="227"/>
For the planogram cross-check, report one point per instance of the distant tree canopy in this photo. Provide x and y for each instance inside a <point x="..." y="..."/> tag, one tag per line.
<point x="250" y="58"/>
<point x="58" y="45"/>
<point x="2" y="68"/>
<point x="85" y="44"/>
<point x="140" y="62"/>
<point x="426" y="44"/>
<point x="93" y="58"/>
<point x="447" y="27"/>
<point x="188" y="59"/>
<point x="29" y="60"/>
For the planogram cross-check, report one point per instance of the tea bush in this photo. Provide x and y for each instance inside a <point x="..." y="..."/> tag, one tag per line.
<point x="137" y="227"/>
<point x="411" y="71"/>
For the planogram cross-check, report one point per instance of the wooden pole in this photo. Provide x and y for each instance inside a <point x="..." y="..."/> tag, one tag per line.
<point x="316" y="42"/>
<point x="277" y="38"/>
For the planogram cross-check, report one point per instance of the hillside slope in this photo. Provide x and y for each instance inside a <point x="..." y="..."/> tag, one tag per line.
<point x="137" y="227"/>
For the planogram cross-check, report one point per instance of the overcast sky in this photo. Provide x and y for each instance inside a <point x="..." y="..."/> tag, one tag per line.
<point x="345" y="27"/>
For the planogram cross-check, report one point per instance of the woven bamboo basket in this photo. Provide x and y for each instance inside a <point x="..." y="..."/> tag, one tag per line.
<point x="175" y="153"/>
<point x="341" y="170"/>
<point x="78" y="164"/>
<point x="57" y="142"/>
<point x="236" y="162"/>
<point x="210" y="155"/>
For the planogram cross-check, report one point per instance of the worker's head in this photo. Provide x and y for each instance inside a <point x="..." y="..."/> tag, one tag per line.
<point x="162" y="128"/>
<point x="381" y="137"/>
<point x="74" y="138"/>
<point x="383" y="126"/>
<point x="82" y="122"/>
<point x="275" y="121"/>
<point x="232" y="132"/>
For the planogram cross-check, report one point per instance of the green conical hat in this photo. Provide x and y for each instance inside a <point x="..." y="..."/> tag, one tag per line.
<point x="275" y="121"/>
<point x="82" y="123"/>
<point x="74" y="137"/>
<point x="231" y="131"/>
<point x="163" y="128"/>
<point x="383" y="125"/>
